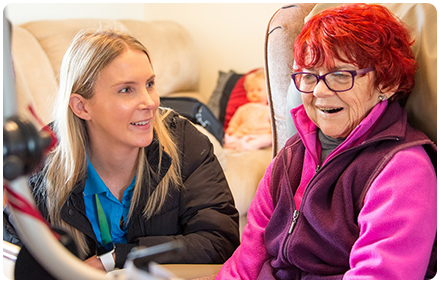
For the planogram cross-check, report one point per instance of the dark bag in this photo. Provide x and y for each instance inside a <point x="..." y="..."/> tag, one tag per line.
<point x="196" y="112"/>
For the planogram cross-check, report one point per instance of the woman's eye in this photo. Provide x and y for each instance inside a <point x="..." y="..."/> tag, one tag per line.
<point x="340" y="74"/>
<point x="125" y="90"/>
<point x="308" y="78"/>
<point x="150" y="84"/>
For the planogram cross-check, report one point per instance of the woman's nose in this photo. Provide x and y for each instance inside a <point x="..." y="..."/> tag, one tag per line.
<point x="146" y="102"/>
<point x="322" y="90"/>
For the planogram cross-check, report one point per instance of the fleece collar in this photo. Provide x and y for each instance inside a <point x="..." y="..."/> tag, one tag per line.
<point x="308" y="133"/>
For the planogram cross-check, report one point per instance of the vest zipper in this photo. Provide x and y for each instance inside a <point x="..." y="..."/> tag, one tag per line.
<point x="292" y="225"/>
<point x="317" y="169"/>
<point x="294" y="219"/>
<point x="296" y="212"/>
<point x="295" y="216"/>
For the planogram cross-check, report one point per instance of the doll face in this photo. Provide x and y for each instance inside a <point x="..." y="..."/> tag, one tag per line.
<point x="256" y="91"/>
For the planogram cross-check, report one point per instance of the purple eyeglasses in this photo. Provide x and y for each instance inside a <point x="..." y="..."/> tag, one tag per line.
<point x="338" y="81"/>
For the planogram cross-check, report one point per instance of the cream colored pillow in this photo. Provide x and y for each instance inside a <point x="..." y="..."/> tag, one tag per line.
<point x="218" y="149"/>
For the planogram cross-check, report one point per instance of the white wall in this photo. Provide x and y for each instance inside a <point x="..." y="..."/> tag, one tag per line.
<point x="19" y="13"/>
<point x="228" y="36"/>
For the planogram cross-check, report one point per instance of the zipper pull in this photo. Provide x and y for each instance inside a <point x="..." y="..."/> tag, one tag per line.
<point x="317" y="168"/>
<point x="294" y="219"/>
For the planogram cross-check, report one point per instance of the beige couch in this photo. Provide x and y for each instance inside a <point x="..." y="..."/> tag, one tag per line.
<point x="37" y="51"/>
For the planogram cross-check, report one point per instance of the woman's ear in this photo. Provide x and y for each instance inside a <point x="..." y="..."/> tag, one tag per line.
<point x="388" y="92"/>
<point x="78" y="105"/>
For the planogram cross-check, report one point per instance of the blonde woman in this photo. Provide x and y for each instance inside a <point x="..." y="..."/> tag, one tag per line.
<point x="151" y="174"/>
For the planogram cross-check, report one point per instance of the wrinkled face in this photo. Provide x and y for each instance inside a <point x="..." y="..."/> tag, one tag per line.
<point x="338" y="113"/>
<point x="122" y="108"/>
<point x="256" y="91"/>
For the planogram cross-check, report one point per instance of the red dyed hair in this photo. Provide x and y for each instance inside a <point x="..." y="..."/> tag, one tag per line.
<point x="363" y="35"/>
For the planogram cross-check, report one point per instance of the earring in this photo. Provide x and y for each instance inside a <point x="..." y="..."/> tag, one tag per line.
<point x="382" y="98"/>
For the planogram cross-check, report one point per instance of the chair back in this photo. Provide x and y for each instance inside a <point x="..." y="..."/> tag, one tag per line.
<point x="286" y="24"/>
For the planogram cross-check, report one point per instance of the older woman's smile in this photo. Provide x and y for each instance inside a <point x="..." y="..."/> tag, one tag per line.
<point x="330" y="110"/>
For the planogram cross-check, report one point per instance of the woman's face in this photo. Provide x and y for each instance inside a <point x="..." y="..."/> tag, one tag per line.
<point x="338" y="113"/>
<point x="122" y="108"/>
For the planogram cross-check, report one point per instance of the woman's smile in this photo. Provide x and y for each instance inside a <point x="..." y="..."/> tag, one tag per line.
<point x="143" y="125"/>
<point x="330" y="110"/>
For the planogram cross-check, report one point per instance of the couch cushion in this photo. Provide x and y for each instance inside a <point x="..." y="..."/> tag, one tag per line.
<point x="171" y="48"/>
<point x="244" y="171"/>
<point x="220" y="96"/>
<point x="35" y="79"/>
<point x="56" y="36"/>
<point x="173" y="54"/>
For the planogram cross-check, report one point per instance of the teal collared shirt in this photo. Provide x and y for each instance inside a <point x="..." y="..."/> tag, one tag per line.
<point x="115" y="211"/>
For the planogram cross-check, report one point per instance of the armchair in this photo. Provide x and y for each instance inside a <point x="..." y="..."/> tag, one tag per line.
<point x="286" y="24"/>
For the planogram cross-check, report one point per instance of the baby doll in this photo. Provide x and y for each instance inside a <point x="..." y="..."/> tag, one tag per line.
<point x="249" y="128"/>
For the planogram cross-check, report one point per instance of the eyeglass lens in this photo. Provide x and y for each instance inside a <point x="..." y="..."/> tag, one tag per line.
<point x="335" y="81"/>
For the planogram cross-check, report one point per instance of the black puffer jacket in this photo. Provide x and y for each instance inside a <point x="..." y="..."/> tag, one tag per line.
<point x="201" y="214"/>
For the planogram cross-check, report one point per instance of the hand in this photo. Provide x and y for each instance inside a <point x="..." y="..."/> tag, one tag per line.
<point x="96" y="262"/>
<point x="253" y="142"/>
<point x="230" y="142"/>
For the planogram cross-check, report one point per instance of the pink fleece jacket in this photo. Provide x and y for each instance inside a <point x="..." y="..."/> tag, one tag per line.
<point x="397" y="223"/>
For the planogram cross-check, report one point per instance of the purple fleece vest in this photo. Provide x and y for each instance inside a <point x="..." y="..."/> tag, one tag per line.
<point x="316" y="243"/>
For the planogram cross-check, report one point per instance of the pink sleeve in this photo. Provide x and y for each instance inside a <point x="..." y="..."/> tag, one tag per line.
<point x="247" y="260"/>
<point x="398" y="221"/>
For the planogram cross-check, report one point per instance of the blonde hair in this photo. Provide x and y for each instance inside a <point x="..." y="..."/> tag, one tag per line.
<point x="66" y="165"/>
<point x="252" y="77"/>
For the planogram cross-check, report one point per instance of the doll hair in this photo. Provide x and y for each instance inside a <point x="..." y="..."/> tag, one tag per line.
<point x="257" y="75"/>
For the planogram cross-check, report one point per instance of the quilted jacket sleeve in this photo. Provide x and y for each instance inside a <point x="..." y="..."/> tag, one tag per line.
<point x="207" y="215"/>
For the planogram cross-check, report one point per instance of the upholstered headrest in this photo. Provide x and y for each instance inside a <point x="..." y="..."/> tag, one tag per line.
<point x="286" y="24"/>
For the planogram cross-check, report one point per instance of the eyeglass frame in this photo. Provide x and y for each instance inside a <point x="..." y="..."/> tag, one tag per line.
<point x="353" y="73"/>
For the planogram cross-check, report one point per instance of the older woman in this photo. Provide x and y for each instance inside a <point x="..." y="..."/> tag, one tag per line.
<point x="353" y="194"/>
